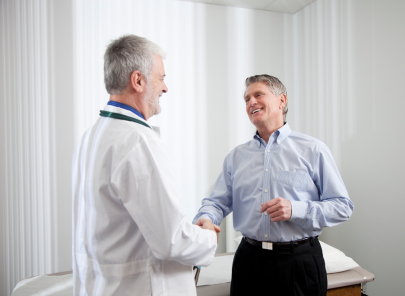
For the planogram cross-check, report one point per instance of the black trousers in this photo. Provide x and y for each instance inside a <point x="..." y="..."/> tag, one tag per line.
<point x="300" y="272"/>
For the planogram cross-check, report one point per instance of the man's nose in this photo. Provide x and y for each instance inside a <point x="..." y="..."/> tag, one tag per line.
<point x="165" y="89"/>
<point x="252" y="102"/>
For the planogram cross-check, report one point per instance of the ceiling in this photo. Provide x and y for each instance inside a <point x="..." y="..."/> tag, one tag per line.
<point x="287" y="6"/>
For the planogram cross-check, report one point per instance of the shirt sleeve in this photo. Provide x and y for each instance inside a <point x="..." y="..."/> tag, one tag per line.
<point x="147" y="185"/>
<point x="334" y="205"/>
<point x="219" y="204"/>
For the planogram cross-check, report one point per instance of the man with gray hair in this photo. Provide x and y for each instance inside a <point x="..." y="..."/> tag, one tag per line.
<point x="283" y="188"/>
<point x="129" y="235"/>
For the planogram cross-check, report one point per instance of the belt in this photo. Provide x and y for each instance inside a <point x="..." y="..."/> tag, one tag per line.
<point x="279" y="246"/>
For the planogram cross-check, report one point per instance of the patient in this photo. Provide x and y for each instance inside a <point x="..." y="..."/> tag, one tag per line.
<point x="283" y="188"/>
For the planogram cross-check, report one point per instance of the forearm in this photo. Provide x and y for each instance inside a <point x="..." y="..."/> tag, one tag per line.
<point x="318" y="214"/>
<point x="211" y="213"/>
<point x="187" y="244"/>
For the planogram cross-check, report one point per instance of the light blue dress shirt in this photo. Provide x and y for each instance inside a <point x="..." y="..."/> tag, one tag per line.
<point x="292" y="165"/>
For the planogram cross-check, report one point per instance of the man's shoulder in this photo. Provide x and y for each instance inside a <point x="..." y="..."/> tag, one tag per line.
<point x="121" y="134"/>
<point x="242" y="147"/>
<point x="305" y="140"/>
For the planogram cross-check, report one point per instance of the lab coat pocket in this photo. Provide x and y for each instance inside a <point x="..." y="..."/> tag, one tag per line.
<point x="298" y="180"/>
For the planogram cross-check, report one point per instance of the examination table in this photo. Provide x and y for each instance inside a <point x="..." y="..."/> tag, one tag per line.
<point x="214" y="280"/>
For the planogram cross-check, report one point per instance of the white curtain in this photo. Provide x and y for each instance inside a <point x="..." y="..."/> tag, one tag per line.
<point x="321" y="70"/>
<point x="27" y="182"/>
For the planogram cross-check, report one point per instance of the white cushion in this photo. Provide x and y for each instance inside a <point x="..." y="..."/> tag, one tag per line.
<point x="335" y="260"/>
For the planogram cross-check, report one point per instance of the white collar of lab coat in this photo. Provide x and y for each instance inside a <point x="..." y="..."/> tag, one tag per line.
<point x="122" y="111"/>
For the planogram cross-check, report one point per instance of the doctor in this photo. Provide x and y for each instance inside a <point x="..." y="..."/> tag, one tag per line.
<point x="129" y="236"/>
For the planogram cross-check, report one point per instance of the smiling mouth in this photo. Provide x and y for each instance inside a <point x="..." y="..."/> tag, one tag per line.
<point x="255" y="111"/>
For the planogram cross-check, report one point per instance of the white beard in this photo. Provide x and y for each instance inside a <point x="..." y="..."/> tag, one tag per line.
<point x="153" y="102"/>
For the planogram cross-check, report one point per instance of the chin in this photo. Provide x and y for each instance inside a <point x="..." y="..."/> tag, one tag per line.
<point x="158" y="110"/>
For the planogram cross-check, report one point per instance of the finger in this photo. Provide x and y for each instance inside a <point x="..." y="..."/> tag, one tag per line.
<point x="281" y="215"/>
<point x="265" y="206"/>
<point x="274" y="208"/>
<point x="200" y="222"/>
<point x="270" y="203"/>
<point x="278" y="218"/>
<point x="217" y="228"/>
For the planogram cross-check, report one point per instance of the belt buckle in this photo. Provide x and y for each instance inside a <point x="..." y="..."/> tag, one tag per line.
<point x="267" y="245"/>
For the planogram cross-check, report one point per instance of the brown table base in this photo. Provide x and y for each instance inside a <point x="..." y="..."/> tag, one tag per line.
<point x="345" y="291"/>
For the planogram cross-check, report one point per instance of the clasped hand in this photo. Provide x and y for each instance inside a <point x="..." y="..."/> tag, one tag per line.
<point x="207" y="224"/>
<point x="279" y="209"/>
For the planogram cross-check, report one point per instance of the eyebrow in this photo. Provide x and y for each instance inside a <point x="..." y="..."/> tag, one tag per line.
<point x="255" y="93"/>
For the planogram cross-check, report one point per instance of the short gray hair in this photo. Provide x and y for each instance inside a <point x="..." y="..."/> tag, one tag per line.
<point x="274" y="85"/>
<point x="125" y="55"/>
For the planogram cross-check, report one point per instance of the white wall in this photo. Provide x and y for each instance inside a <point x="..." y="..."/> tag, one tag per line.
<point x="347" y="73"/>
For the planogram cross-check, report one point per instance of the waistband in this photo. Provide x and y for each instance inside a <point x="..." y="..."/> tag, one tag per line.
<point x="280" y="245"/>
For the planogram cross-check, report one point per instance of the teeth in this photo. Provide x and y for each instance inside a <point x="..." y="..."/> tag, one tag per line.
<point x="257" y="110"/>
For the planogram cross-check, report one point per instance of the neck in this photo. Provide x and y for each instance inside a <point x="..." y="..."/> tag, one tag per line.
<point x="265" y="131"/>
<point x="133" y="101"/>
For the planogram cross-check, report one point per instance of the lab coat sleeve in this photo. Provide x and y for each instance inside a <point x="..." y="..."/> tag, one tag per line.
<point x="219" y="204"/>
<point x="334" y="205"/>
<point x="146" y="182"/>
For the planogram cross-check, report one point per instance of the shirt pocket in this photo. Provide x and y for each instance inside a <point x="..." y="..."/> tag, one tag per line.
<point x="298" y="180"/>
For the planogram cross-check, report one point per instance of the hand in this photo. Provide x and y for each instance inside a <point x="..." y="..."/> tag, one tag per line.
<point x="207" y="224"/>
<point x="279" y="209"/>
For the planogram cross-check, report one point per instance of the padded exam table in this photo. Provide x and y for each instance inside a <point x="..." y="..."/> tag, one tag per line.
<point x="214" y="280"/>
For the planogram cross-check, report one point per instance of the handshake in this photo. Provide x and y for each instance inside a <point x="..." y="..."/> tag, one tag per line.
<point x="207" y="224"/>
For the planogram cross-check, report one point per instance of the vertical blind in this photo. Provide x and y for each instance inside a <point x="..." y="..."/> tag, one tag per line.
<point x="28" y="244"/>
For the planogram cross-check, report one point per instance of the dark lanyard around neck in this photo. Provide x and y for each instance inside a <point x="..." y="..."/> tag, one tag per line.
<point x="121" y="117"/>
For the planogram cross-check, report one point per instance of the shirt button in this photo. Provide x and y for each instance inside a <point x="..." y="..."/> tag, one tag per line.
<point x="265" y="235"/>
<point x="268" y="151"/>
<point x="267" y="170"/>
<point x="265" y="213"/>
<point x="265" y="190"/>
<point x="278" y="142"/>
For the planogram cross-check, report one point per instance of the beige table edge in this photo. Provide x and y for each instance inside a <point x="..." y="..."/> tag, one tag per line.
<point x="354" y="276"/>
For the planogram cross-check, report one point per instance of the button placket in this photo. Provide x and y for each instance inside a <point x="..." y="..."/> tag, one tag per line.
<point x="266" y="196"/>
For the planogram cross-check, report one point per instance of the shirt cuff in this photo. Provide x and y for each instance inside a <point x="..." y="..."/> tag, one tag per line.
<point x="206" y="216"/>
<point x="299" y="210"/>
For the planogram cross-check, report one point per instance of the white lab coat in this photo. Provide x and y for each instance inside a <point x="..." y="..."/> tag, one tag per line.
<point x="129" y="236"/>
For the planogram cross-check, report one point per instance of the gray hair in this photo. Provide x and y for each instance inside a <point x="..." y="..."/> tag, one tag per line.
<point x="274" y="85"/>
<point x="125" y="55"/>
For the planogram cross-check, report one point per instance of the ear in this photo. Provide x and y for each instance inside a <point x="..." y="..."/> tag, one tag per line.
<point x="283" y="100"/>
<point x="138" y="82"/>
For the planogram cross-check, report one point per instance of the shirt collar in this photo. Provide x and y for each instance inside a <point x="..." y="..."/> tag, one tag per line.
<point x="284" y="131"/>
<point x="281" y="134"/>
<point x="126" y="107"/>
